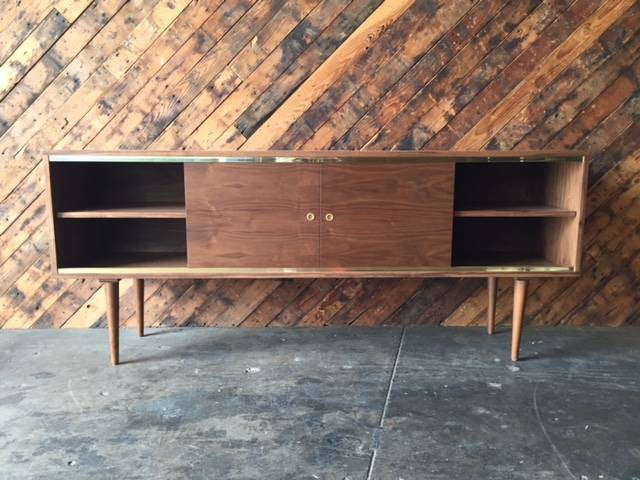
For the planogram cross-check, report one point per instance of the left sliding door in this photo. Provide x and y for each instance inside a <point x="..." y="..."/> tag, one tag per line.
<point x="252" y="215"/>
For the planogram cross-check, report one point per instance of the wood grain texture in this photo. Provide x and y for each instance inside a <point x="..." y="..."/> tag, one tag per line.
<point x="386" y="215"/>
<point x="253" y="215"/>
<point x="310" y="74"/>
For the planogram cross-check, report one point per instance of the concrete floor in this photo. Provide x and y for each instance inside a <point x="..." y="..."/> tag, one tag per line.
<point x="420" y="403"/>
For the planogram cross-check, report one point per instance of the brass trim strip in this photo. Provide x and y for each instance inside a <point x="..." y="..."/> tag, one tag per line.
<point x="266" y="272"/>
<point x="307" y="160"/>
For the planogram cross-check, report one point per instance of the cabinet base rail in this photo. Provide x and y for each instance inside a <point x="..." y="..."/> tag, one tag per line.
<point x="111" y="288"/>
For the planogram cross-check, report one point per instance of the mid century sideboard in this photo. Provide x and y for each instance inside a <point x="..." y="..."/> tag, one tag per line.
<point x="293" y="214"/>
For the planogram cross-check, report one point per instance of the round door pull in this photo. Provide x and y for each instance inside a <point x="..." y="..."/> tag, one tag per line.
<point x="329" y="217"/>
<point x="310" y="217"/>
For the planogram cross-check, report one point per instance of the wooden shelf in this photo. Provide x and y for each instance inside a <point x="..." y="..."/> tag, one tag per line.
<point x="518" y="212"/>
<point x="503" y="260"/>
<point x="139" y="260"/>
<point x="140" y="211"/>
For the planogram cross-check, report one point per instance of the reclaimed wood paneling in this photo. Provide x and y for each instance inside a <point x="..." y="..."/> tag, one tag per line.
<point x="316" y="74"/>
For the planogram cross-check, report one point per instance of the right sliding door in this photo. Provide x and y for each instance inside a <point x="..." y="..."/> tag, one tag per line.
<point x="386" y="215"/>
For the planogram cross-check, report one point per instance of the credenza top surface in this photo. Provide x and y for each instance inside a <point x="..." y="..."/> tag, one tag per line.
<point x="314" y="157"/>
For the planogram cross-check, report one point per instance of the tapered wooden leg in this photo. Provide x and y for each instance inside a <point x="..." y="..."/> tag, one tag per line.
<point x="492" y="285"/>
<point x="113" y="321"/>
<point x="519" y="298"/>
<point x="139" y="287"/>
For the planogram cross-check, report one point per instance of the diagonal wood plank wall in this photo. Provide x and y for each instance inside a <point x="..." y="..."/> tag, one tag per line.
<point x="318" y="74"/>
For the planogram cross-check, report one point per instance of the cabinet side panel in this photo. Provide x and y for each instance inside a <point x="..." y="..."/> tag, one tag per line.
<point x="566" y="188"/>
<point x="387" y="215"/>
<point x="248" y="216"/>
<point x="51" y="218"/>
<point x="582" y="209"/>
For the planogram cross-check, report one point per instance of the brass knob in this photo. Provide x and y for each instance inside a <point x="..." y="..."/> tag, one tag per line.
<point x="310" y="217"/>
<point x="329" y="217"/>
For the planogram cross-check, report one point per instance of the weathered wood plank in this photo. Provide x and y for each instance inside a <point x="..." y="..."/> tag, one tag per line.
<point x="307" y="299"/>
<point x="455" y="104"/>
<point x="73" y="76"/>
<point x="467" y="73"/>
<point x="562" y="56"/>
<point x="25" y="287"/>
<point x="573" y="106"/>
<point x="521" y="66"/>
<point x="354" y="46"/>
<point x="276" y="303"/>
<point x="332" y="303"/>
<point x="72" y="9"/>
<point x="259" y="48"/>
<point x="612" y="52"/>
<point x="54" y="60"/>
<point x="338" y="30"/>
<point x="252" y="296"/>
<point x="70" y="299"/>
<point x="30" y="51"/>
<point x="141" y="125"/>
<point x="20" y="199"/>
<point x="183" y="308"/>
<point x="217" y="120"/>
<point x="397" y="292"/>
<point x="31" y="218"/>
<point x="22" y="258"/>
<point x="350" y="102"/>
<point x="209" y="313"/>
<point x="20" y="22"/>
<point x="167" y="49"/>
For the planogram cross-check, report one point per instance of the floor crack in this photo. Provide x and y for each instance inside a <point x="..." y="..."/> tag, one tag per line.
<point x="547" y="436"/>
<point x="378" y="432"/>
<point x="392" y="378"/>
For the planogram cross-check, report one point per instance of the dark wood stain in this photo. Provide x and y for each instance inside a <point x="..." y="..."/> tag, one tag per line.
<point x="387" y="215"/>
<point x="253" y="215"/>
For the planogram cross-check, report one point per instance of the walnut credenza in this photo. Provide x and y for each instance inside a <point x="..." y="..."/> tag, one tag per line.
<point x="291" y="214"/>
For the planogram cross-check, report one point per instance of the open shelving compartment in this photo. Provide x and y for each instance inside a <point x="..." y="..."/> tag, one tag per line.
<point x="518" y="214"/>
<point x="109" y="216"/>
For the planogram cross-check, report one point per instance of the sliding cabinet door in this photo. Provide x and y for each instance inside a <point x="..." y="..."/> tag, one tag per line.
<point x="252" y="215"/>
<point x="387" y="215"/>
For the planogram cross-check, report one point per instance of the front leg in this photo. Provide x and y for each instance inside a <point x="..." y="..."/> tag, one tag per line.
<point x="519" y="298"/>
<point x="113" y="313"/>
<point x="492" y="286"/>
<point x="139" y="292"/>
